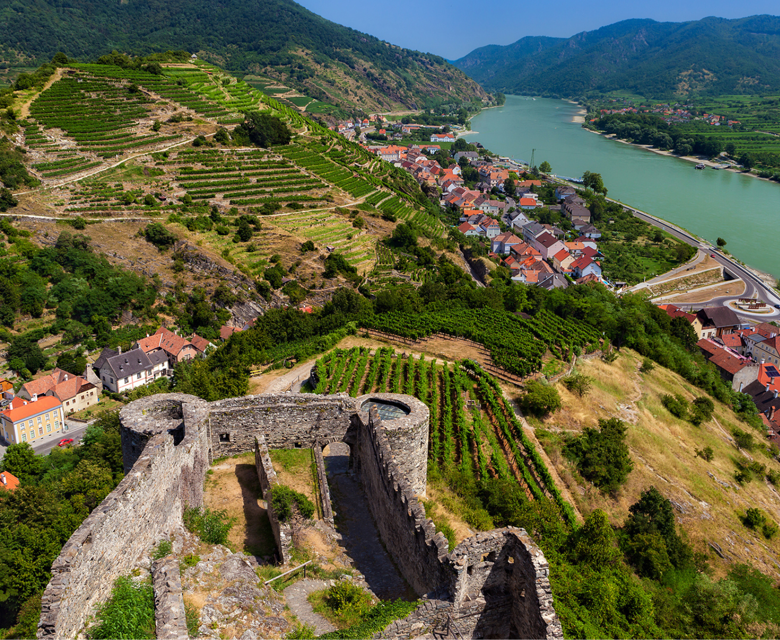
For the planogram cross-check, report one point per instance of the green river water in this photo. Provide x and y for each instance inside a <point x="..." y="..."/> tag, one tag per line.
<point x="708" y="203"/>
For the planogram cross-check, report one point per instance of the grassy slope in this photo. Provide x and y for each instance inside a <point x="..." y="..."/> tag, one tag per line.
<point x="664" y="452"/>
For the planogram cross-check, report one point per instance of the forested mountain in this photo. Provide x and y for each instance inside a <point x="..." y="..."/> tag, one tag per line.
<point x="655" y="59"/>
<point x="277" y="37"/>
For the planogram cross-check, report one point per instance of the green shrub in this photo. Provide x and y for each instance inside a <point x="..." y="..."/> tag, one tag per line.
<point x="743" y="439"/>
<point x="540" y="399"/>
<point x="165" y="548"/>
<point x="283" y="499"/>
<point x="706" y="453"/>
<point x="345" y="595"/>
<point x="601" y="455"/>
<point x="192" y="618"/>
<point x="302" y="632"/>
<point x="754" y="518"/>
<point x="677" y="405"/>
<point x="211" y="526"/>
<point x="578" y="383"/>
<point x="701" y="410"/>
<point x="129" y="612"/>
<point x="377" y="618"/>
<point x="647" y="365"/>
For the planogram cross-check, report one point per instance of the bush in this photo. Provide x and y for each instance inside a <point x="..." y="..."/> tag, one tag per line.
<point x="212" y="527"/>
<point x="129" y="613"/>
<point x="601" y="455"/>
<point x="706" y="453"/>
<point x="283" y="499"/>
<point x="540" y="399"/>
<point x="647" y="365"/>
<point x="345" y="595"/>
<point x="743" y="439"/>
<point x="610" y="356"/>
<point x="578" y="383"/>
<point x="701" y="410"/>
<point x="158" y="235"/>
<point x="677" y="405"/>
<point x="754" y="518"/>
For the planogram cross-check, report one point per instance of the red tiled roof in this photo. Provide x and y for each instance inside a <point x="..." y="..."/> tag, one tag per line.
<point x="562" y="255"/>
<point x="728" y="362"/>
<point x="466" y="227"/>
<point x="22" y="409"/>
<point x="732" y="340"/>
<point x="163" y="339"/>
<point x="71" y="387"/>
<point x="8" y="480"/>
<point x="199" y="343"/>
<point x="225" y="332"/>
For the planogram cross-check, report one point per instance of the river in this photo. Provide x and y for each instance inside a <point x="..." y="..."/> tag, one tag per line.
<point x="708" y="203"/>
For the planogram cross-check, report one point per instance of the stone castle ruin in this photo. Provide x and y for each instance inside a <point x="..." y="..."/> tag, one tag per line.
<point x="494" y="584"/>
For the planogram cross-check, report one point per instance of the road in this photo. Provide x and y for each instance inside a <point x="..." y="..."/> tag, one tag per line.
<point x="75" y="431"/>
<point x="754" y="286"/>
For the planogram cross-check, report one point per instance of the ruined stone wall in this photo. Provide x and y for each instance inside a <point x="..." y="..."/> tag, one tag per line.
<point x="267" y="477"/>
<point x="287" y="421"/>
<point x="169" y="616"/>
<point x="492" y="585"/>
<point x="322" y="481"/>
<point x="146" y="505"/>
<point x="410" y="538"/>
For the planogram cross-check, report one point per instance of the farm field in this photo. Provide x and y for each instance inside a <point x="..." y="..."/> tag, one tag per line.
<point x="473" y="427"/>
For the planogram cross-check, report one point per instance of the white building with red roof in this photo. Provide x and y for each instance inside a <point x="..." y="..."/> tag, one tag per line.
<point x="30" y="421"/>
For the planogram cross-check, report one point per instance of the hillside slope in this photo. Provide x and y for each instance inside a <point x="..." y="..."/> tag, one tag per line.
<point x="276" y="37"/>
<point x="709" y="56"/>
<point x="708" y="500"/>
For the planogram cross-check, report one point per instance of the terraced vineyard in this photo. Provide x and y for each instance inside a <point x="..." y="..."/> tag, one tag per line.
<point x="331" y="230"/>
<point x="516" y="344"/>
<point x="242" y="178"/>
<point x="100" y="116"/>
<point x="472" y="425"/>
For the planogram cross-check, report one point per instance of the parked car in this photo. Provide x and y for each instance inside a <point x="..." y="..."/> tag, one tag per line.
<point x="65" y="442"/>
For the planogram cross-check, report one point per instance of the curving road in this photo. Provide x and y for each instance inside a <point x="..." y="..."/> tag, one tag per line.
<point x="754" y="286"/>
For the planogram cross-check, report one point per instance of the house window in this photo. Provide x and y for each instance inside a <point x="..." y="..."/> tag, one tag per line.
<point x="56" y="425"/>
<point x="24" y="437"/>
<point x="138" y="376"/>
<point x="39" y="419"/>
<point x="40" y="430"/>
<point x="48" y="428"/>
<point x="111" y="380"/>
<point x="224" y="437"/>
<point x="31" y="424"/>
<point x="127" y="380"/>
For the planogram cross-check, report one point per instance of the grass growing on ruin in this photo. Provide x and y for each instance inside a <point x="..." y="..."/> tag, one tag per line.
<point x="344" y="604"/>
<point x="295" y="469"/>
<point x="128" y="613"/>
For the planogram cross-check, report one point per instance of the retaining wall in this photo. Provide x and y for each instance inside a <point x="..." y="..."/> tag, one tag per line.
<point x="169" y="616"/>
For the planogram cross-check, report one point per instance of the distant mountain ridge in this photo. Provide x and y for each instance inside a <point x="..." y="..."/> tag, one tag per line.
<point x="278" y="38"/>
<point x="712" y="56"/>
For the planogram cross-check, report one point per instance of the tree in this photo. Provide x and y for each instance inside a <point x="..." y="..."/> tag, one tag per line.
<point x="601" y="455"/>
<point x="158" y="235"/>
<point x="20" y="460"/>
<point x="721" y="242"/>
<point x="263" y="129"/>
<point x="746" y="160"/>
<point x="593" y="181"/>
<point x="730" y="149"/>
<point x="7" y="200"/>
<point x="404" y="237"/>
<point x="545" y="167"/>
<point x="540" y="399"/>
<point x="28" y="351"/>
<point x="509" y="187"/>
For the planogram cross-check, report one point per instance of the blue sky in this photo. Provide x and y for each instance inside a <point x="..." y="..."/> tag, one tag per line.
<point x="454" y="28"/>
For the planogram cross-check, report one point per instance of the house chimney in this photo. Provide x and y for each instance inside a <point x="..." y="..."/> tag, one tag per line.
<point x="34" y="397"/>
<point x="25" y="402"/>
<point x="767" y="387"/>
<point x="741" y="384"/>
<point x="66" y="377"/>
<point x="772" y="414"/>
<point x="775" y="393"/>
<point x="2" y="477"/>
<point x="119" y="349"/>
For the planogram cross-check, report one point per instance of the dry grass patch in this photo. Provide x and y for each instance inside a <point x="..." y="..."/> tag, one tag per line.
<point x="232" y="485"/>
<point x="707" y="498"/>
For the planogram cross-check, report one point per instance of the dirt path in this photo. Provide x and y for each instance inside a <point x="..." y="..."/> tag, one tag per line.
<point x="296" y="597"/>
<point x="25" y="110"/>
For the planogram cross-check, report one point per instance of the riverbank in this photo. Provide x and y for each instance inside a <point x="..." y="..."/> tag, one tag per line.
<point x="718" y="166"/>
<point x="579" y="118"/>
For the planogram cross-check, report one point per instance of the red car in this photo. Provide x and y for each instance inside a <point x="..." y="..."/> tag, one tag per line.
<point x="65" y="442"/>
